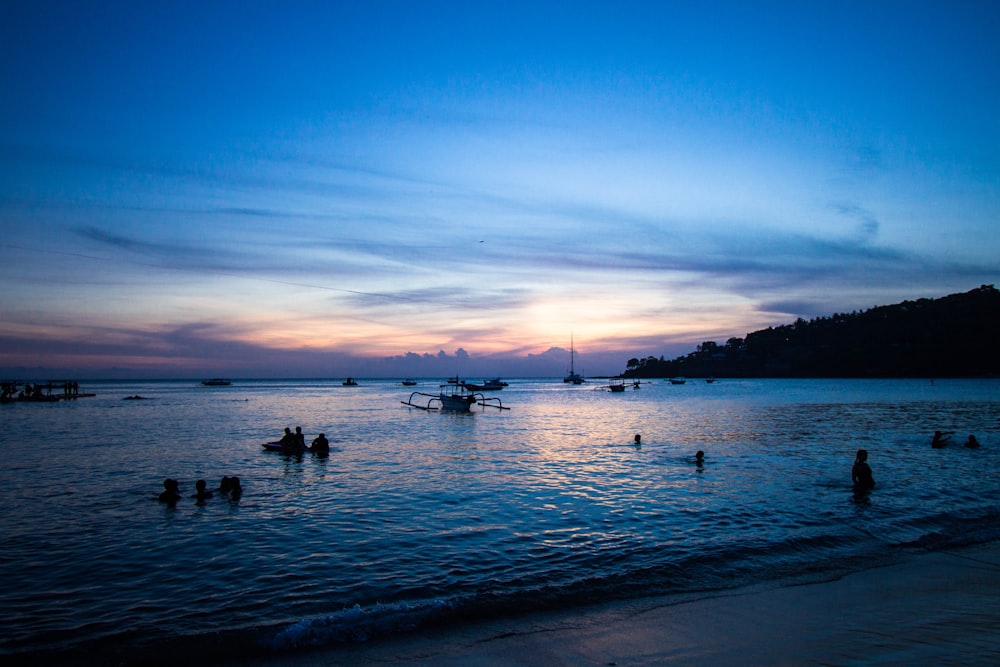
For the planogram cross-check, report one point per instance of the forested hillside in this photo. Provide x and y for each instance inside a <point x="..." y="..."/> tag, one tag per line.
<point x="952" y="336"/>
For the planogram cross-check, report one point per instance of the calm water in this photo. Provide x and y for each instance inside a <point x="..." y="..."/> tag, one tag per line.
<point x="420" y="519"/>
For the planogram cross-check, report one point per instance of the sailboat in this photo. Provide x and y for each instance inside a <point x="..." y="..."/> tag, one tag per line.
<point x="573" y="376"/>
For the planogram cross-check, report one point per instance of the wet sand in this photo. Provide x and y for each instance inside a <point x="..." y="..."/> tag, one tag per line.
<point x="941" y="608"/>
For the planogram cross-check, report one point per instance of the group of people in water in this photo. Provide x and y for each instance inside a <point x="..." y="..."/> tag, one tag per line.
<point x="861" y="472"/>
<point x="229" y="487"/>
<point x="295" y="443"/>
<point x="942" y="439"/>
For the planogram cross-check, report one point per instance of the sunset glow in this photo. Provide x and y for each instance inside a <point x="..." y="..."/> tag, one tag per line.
<point x="258" y="190"/>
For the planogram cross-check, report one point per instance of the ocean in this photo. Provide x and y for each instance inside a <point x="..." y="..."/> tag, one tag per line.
<point x="425" y="520"/>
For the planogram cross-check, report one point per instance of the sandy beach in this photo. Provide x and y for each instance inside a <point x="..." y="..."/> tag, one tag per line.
<point x="940" y="608"/>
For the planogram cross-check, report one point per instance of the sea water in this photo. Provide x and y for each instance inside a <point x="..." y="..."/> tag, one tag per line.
<point x="421" y="519"/>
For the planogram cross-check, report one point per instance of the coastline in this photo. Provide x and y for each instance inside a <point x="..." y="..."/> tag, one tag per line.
<point x="938" y="608"/>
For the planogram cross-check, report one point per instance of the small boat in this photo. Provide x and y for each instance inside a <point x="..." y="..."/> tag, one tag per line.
<point x="455" y="396"/>
<point x="710" y="380"/>
<point x="349" y="382"/>
<point x="217" y="382"/>
<point x="409" y="382"/>
<point x="678" y="380"/>
<point x="494" y="384"/>
<point x="616" y="386"/>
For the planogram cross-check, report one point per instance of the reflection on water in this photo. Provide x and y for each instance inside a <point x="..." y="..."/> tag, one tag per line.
<point x="415" y="507"/>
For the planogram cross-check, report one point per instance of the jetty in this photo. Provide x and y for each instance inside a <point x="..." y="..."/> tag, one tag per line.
<point x="18" y="391"/>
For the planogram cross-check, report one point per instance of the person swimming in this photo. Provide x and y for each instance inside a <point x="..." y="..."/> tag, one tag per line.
<point x="235" y="490"/>
<point x="972" y="442"/>
<point x="637" y="441"/>
<point x="861" y="472"/>
<point x="320" y="445"/>
<point x="201" y="491"/>
<point x="940" y="439"/>
<point x="287" y="442"/>
<point x="171" y="492"/>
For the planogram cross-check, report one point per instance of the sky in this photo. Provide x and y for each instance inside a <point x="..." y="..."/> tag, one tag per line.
<point x="385" y="189"/>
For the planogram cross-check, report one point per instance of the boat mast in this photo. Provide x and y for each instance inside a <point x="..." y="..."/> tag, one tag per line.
<point x="571" y="372"/>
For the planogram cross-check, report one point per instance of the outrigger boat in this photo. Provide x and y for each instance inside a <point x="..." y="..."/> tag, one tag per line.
<point x="455" y="396"/>
<point x="616" y="385"/>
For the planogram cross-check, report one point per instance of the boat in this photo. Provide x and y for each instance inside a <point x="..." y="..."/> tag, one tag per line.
<point x="350" y="382"/>
<point x="409" y="382"/>
<point x="616" y="385"/>
<point x="493" y="384"/>
<point x="678" y="380"/>
<point x="217" y="382"/>
<point x="573" y="377"/>
<point x="455" y="396"/>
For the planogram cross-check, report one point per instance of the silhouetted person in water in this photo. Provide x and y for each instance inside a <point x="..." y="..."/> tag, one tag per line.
<point x="201" y="492"/>
<point x="235" y="490"/>
<point x="287" y="442"/>
<point x="699" y="458"/>
<point x="940" y="439"/>
<point x="861" y="472"/>
<point x="320" y="445"/>
<point x="224" y="486"/>
<point x="171" y="492"/>
<point x="300" y="440"/>
<point x="637" y="440"/>
<point x="972" y="443"/>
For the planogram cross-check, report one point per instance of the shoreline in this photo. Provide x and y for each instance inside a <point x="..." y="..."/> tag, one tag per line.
<point x="929" y="608"/>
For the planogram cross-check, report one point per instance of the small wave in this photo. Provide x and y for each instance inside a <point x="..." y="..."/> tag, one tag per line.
<point x="357" y="624"/>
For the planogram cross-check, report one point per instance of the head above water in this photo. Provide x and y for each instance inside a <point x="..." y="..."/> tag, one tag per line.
<point x="862" y="455"/>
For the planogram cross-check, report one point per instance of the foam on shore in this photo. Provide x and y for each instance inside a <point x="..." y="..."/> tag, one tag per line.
<point x="934" y="608"/>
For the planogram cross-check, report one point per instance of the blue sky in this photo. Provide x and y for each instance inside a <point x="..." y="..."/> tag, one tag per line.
<point x="397" y="188"/>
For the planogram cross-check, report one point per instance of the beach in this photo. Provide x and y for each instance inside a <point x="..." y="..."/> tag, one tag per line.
<point x="939" y="608"/>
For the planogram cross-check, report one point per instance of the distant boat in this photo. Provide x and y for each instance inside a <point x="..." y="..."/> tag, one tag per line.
<point x="573" y="376"/>
<point x="493" y="384"/>
<point x="217" y="382"/>
<point x="616" y="385"/>
<point x="409" y="382"/>
<point x="678" y="380"/>
<point x="349" y="382"/>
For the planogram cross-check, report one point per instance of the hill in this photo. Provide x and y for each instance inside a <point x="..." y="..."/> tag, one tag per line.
<point x="952" y="336"/>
